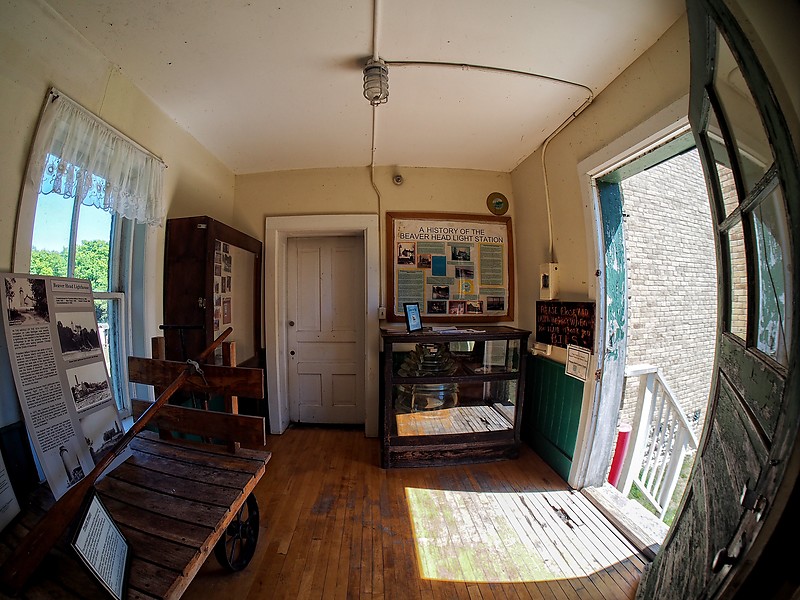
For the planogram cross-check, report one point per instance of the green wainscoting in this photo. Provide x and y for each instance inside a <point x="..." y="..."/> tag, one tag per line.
<point x="552" y="413"/>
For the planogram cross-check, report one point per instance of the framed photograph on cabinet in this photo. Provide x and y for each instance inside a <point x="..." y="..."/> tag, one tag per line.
<point x="413" y="320"/>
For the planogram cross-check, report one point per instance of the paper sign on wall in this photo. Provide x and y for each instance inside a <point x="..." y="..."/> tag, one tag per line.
<point x="578" y="362"/>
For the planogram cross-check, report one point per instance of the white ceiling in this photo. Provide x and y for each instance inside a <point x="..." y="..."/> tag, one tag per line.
<point x="271" y="85"/>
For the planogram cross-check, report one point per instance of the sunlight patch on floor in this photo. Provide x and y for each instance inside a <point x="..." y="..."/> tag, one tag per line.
<point x="500" y="537"/>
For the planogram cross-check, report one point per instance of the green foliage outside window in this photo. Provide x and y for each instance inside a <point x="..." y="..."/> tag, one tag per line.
<point x="91" y="262"/>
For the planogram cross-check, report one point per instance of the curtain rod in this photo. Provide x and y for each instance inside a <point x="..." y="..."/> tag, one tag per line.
<point x="54" y="94"/>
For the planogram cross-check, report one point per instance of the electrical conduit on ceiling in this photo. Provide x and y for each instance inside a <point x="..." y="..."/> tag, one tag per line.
<point x="401" y="63"/>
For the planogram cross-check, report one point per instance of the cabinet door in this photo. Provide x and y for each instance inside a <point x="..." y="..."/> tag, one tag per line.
<point x="186" y="293"/>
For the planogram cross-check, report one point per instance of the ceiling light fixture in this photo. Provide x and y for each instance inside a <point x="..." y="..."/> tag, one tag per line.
<point x="376" y="81"/>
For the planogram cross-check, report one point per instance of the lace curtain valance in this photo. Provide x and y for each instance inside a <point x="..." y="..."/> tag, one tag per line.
<point x="77" y="155"/>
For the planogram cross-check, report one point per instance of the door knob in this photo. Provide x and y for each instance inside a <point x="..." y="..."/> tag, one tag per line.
<point x="292" y="352"/>
<point x="291" y="323"/>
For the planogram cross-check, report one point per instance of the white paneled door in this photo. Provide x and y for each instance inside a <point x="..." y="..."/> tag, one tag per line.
<point x="325" y="320"/>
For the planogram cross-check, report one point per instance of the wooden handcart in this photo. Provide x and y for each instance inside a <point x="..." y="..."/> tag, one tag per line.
<point x="175" y="500"/>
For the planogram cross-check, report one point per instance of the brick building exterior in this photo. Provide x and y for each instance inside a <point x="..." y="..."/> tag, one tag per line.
<point x="672" y="281"/>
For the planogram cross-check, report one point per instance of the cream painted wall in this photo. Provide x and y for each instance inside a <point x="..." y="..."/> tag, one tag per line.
<point x="654" y="81"/>
<point x="39" y="50"/>
<point x="349" y="191"/>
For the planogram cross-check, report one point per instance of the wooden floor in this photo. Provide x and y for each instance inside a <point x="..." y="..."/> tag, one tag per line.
<point x="336" y="525"/>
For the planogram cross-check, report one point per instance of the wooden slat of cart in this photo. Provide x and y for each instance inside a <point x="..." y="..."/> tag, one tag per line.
<point x="157" y="487"/>
<point x="172" y="499"/>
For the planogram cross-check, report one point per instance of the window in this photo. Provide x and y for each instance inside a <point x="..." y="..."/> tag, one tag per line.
<point x="754" y="217"/>
<point x="87" y="186"/>
<point x="71" y="239"/>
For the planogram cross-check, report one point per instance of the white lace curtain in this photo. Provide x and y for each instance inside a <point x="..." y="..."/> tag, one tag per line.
<point x="78" y="155"/>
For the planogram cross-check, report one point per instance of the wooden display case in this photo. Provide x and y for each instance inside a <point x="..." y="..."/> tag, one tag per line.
<point x="212" y="280"/>
<point x="452" y="397"/>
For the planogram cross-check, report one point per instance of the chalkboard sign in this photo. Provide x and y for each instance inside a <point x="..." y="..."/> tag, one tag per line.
<point x="563" y="323"/>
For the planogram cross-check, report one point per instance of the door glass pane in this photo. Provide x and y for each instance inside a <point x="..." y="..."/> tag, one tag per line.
<point x="774" y="296"/>
<point x="93" y="247"/>
<point x="743" y="118"/>
<point x="737" y="323"/>
<point x="730" y="199"/>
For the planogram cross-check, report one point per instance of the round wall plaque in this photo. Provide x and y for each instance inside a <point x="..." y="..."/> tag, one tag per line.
<point x="497" y="203"/>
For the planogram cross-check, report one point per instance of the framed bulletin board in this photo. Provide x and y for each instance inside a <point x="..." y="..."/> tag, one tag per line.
<point x="457" y="267"/>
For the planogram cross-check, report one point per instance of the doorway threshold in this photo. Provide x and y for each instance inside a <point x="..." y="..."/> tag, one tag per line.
<point x="639" y="526"/>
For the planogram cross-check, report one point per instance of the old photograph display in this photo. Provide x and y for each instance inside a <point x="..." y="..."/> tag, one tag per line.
<point x="223" y="289"/>
<point x="55" y="350"/>
<point x="456" y="267"/>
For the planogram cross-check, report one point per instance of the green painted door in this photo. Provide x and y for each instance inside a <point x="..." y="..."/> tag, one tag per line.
<point x="745" y="473"/>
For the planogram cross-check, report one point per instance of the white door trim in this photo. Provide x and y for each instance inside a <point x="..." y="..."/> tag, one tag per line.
<point x="278" y="231"/>
<point x="670" y="121"/>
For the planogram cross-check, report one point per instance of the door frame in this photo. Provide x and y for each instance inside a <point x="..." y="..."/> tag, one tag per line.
<point x="597" y="427"/>
<point x="278" y="230"/>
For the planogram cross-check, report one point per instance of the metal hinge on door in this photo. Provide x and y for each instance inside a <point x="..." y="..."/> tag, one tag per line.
<point x="752" y="500"/>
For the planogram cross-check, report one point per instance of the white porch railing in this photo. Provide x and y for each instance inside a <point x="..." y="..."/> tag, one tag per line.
<point x="660" y="438"/>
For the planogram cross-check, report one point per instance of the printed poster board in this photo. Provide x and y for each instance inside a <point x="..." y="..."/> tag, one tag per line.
<point x="56" y="354"/>
<point x="457" y="267"/>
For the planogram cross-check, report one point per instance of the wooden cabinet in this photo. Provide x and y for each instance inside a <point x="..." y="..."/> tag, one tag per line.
<point x="452" y="397"/>
<point x="212" y="280"/>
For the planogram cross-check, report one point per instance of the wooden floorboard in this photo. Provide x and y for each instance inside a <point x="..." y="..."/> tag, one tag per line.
<point x="334" y="525"/>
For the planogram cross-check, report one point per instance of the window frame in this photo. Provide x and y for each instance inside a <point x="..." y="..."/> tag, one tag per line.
<point x="119" y="277"/>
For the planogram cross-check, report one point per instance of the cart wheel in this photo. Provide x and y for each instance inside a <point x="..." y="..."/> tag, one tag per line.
<point x="236" y="547"/>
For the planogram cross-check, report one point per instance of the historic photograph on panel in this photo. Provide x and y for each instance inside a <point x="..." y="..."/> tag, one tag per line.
<point x="89" y="385"/>
<point x="495" y="303"/>
<point x="78" y="335"/>
<point x="460" y="253"/>
<point x="406" y="253"/>
<point x="474" y="307"/>
<point x="27" y="301"/>
<point x="440" y="292"/>
<point x="72" y="465"/>
<point x="457" y="307"/>
<point x="437" y="307"/>
<point x="102" y="430"/>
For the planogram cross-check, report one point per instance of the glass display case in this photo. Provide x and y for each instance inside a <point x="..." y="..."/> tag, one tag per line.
<point x="452" y="395"/>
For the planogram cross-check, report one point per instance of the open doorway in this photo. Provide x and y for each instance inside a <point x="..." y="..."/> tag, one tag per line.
<point x="671" y="278"/>
<point x="659" y="284"/>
